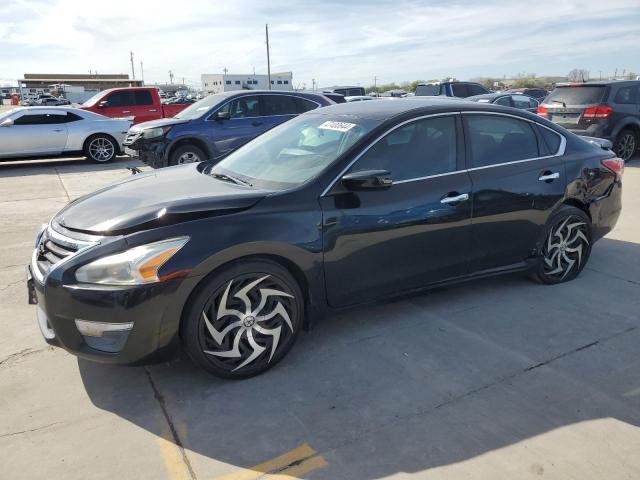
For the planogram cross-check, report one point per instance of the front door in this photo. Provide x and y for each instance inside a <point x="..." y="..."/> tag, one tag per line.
<point x="415" y="233"/>
<point x="517" y="182"/>
<point x="245" y="122"/>
<point x="34" y="133"/>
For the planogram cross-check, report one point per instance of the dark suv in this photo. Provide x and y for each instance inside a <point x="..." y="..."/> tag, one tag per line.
<point x="609" y="109"/>
<point x="450" y="89"/>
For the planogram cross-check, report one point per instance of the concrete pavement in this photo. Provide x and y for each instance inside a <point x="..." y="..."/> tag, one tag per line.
<point x="499" y="379"/>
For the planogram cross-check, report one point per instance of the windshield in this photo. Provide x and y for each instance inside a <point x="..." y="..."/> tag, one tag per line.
<point x="294" y="152"/>
<point x="577" y="95"/>
<point x="201" y="107"/>
<point x="93" y="100"/>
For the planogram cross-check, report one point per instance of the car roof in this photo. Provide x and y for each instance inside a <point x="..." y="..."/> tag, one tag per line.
<point x="490" y="96"/>
<point x="382" y="110"/>
<point x="598" y="83"/>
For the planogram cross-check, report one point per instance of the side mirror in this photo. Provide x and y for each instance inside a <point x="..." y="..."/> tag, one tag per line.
<point x="103" y="103"/>
<point x="221" y="116"/>
<point x="7" y="123"/>
<point x="368" y="180"/>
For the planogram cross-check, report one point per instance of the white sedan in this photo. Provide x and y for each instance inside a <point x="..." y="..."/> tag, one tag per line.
<point x="60" y="131"/>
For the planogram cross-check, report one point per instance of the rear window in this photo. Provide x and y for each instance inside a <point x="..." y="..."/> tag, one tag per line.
<point x="551" y="139"/>
<point x="427" y="90"/>
<point x="577" y="95"/>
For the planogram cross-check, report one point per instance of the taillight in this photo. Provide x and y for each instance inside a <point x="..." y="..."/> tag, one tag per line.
<point x="601" y="111"/>
<point x="542" y="111"/>
<point x="616" y="165"/>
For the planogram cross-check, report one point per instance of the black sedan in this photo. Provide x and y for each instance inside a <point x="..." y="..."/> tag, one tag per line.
<point x="515" y="100"/>
<point x="340" y="206"/>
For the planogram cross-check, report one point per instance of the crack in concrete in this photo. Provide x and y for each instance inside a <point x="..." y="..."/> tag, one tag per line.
<point x="503" y="379"/>
<point x="10" y="284"/>
<point x="174" y="432"/>
<point x="11" y="434"/>
<point x="62" y="185"/>
<point x="21" y="354"/>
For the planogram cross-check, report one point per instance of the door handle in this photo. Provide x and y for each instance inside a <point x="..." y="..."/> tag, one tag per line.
<point x="256" y="123"/>
<point x="57" y="130"/>
<point x="153" y="110"/>
<point x="463" y="197"/>
<point x="126" y="111"/>
<point x="548" y="176"/>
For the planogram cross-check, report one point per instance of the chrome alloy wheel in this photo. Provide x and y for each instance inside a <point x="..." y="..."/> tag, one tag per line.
<point x="188" y="157"/>
<point x="626" y="146"/>
<point x="101" y="149"/>
<point x="565" y="248"/>
<point x="246" y="322"/>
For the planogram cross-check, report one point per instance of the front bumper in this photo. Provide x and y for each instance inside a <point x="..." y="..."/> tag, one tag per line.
<point x="151" y="152"/>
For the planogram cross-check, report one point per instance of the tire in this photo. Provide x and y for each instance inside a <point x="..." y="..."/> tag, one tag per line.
<point x="100" y="148"/>
<point x="566" y="246"/>
<point x="186" y="154"/>
<point x="231" y="338"/>
<point x="626" y="144"/>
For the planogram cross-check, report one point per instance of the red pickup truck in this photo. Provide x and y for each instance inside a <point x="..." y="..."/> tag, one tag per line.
<point x="141" y="103"/>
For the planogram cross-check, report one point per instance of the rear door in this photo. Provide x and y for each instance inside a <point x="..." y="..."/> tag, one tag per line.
<point x="517" y="181"/>
<point x="143" y="108"/>
<point x="277" y="109"/>
<point x="415" y="233"/>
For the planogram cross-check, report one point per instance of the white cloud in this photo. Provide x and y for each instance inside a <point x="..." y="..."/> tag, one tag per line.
<point x="347" y="42"/>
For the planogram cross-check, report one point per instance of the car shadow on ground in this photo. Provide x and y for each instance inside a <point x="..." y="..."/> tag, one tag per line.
<point x="25" y="168"/>
<point x="417" y="383"/>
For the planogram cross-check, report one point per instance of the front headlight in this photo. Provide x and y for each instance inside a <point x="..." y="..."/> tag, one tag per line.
<point x="155" y="132"/>
<point x="136" y="266"/>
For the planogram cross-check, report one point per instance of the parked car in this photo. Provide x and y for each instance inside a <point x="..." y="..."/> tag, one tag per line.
<point x="140" y="103"/>
<point x="450" y="89"/>
<point x="515" y="100"/>
<point x="216" y="125"/>
<point x="60" y="131"/>
<point x="346" y="91"/>
<point x="537" y="93"/>
<point x="605" y="109"/>
<point x="340" y="206"/>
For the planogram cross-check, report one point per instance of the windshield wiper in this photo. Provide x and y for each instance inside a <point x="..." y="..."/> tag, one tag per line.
<point x="564" y="105"/>
<point x="229" y="178"/>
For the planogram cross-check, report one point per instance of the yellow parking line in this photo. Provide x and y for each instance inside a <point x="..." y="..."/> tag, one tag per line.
<point x="303" y="454"/>
<point x="175" y="466"/>
<point x="298" y="470"/>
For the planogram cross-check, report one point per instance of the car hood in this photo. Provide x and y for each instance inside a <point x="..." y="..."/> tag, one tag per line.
<point x="161" y="122"/>
<point x="158" y="198"/>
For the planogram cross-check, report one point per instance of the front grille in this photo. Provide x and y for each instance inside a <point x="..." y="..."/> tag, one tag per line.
<point x="51" y="251"/>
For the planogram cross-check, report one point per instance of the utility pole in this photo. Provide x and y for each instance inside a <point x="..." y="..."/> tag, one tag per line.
<point x="170" y="77"/>
<point x="313" y="84"/>
<point x="266" y="30"/>
<point x="142" y="72"/>
<point x="133" y="71"/>
<point x="183" y="81"/>
<point x="375" y="84"/>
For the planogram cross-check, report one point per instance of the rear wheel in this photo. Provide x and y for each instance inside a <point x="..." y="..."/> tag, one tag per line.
<point x="100" y="148"/>
<point x="186" y="154"/>
<point x="244" y="319"/>
<point x="626" y="144"/>
<point x="566" y="247"/>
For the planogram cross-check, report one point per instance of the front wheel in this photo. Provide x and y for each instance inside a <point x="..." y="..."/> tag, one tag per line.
<point x="186" y="154"/>
<point x="566" y="247"/>
<point x="244" y="319"/>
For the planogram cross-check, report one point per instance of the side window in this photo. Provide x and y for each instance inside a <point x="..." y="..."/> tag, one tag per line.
<point x="475" y="89"/>
<point x="244" y="107"/>
<point x="522" y="101"/>
<point x="503" y="101"/>
<point x="40" y="119"/>
<point x="72" y="117"/>
<point x="278" y="105"/>
<point x="460" y="90"/>
<point x="419" y="149"/>
<point x="142" y="97"/>
<point x="551" y="139"/>
<point x="626" y="95"/>
<point x="495" y="139"/>
<point x="119" y="99"/>
<point x="304" y="105"/>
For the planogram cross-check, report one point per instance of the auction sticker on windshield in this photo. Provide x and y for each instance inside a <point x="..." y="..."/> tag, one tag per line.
<point x="337" y="126"/>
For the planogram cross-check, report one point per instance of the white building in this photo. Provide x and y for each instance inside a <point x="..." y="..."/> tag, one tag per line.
<point x="217" y="83"/>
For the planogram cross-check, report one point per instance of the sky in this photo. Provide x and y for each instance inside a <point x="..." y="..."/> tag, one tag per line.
<point x="334" y="42"/>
